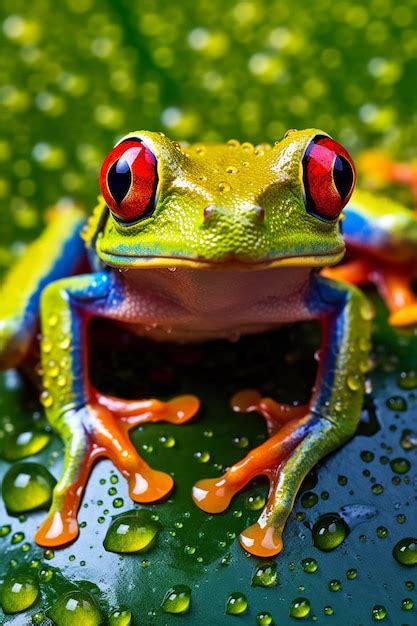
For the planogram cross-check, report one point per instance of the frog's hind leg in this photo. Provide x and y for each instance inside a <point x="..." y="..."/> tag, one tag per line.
<point x="397" y="293"/>
<point x="58" y="252"/>
<point x="355" y="272"/>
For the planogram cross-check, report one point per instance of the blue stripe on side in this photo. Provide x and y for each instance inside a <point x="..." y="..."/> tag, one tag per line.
<point x="327" y="299"/>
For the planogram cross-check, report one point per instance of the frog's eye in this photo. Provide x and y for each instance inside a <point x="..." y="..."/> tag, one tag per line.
<point x="128" y="180"/>
<point x="328" y="177"/>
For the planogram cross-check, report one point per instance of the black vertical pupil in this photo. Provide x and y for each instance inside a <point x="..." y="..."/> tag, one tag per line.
<point x="119" y="179"/>
<point x="343" y="176"/>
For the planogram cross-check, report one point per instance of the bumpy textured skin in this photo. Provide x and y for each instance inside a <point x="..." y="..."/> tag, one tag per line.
<point x="230" y="249"/>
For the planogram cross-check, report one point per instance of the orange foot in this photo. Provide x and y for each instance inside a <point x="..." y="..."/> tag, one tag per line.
<point x="393" y="284"/>
<point x="280" y="458"/>
<point x="101" y="430"/>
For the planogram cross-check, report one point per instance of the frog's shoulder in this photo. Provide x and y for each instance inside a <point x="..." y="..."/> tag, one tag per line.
<point x="95" y="223"/>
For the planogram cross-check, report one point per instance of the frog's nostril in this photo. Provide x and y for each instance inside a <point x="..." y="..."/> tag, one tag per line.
<point x="208" y="212"/>
<point x="259" y="212"/>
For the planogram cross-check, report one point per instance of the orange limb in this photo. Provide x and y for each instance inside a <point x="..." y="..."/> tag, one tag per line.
<point x="275" y="413"/>
<point x="101" y="430"/>
<point x="395" y="289"/>
<point x="393" y="284"/>
<point x="356" y="272"/>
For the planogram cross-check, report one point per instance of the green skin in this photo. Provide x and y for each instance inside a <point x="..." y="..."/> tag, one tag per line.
<point x="249" y="264"/>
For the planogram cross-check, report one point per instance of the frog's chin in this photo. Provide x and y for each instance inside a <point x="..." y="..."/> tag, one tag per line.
<point x="125" y="262"/>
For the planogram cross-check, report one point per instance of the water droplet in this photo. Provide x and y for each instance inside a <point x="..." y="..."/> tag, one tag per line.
<point x="255" y="502"/>
<point x="45" y="574"/>
<point x="120" y="617"/>
<point x="300" y="608"/>
<point x="408" y="439"/>
<point x="354" y="382"/>
<point x="367" y="456"/>
<point x="328" y="610"/>
<point x="405" y="551"/>
<point x="46" y="399"/>
<point x="118" y="503"/>
<point x="407" y="604"/>
<point x="309" y="499"/>
<point x="309" y="565"/>
<point x="202" y="457"/>
<point x="74" y="608"/>
<point x="351" y="574"/>
<point x="236" y="604"/>
<point x="134" y="531"/>
<point x="400" y="465"/>
<point x="335" y="585"/>
<point x="177" y="600"/>
<point x="377" y="489"/>
<point x="19" y="593"/>
<point x="396" y="403"/>
<point x="265" y="575"/>
<point x="18" y="446"/>
<point x="240" y="442"/>
<point x="264" y="619"/>
<point x="5" y="530"/>
<point x="167" y="441"/>
<point x="379" y="612"/>
<point x="408" y="380"/>
<point x="329" y="532"/>
<point x="27" y="486"/>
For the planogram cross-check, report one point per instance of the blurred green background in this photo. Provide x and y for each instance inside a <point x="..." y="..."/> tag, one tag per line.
<point x="75" y="76"/>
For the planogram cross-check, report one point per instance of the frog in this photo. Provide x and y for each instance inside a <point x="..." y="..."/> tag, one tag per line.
<point x="189" y="244"/>
<point x="381" y="237"/>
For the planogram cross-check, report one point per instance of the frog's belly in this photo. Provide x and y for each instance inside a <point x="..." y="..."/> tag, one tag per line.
<point x="198" y="305"/>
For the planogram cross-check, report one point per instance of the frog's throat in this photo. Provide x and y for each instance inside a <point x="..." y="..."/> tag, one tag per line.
<point x="142" y="262"/>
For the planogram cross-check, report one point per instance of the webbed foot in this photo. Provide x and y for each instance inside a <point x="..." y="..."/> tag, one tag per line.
<point x="285" y="458"/>
<point x="94" y="432"/>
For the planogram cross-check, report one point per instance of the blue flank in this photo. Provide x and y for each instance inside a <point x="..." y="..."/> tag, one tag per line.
<point x="327" y="298"/>
<point x="358" y="230"/>
<point x="69" y="259"/>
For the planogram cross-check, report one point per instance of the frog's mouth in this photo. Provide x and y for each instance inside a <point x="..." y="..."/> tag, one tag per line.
<point x="127" y="261"/>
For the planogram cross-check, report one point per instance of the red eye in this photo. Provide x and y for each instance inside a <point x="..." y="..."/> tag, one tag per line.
<point x="128" y="180"/>
<point x="328" y="176"/>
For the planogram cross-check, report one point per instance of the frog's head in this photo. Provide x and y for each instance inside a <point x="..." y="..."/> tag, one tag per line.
<point x="217" y="206"/>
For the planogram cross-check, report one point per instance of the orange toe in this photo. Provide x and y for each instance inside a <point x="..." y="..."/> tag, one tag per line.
<point x="181" y="409"/>
<point x="407" y="316"/>
<point x="57" y="530"/>
<point x="155" y="486"/>
<point x="212" y="495"/>
<point x="261" y="541"/>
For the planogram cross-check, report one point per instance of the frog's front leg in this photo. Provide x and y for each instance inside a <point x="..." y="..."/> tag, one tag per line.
<point x="301" y="442"/>
<point x="86" y="420"/>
